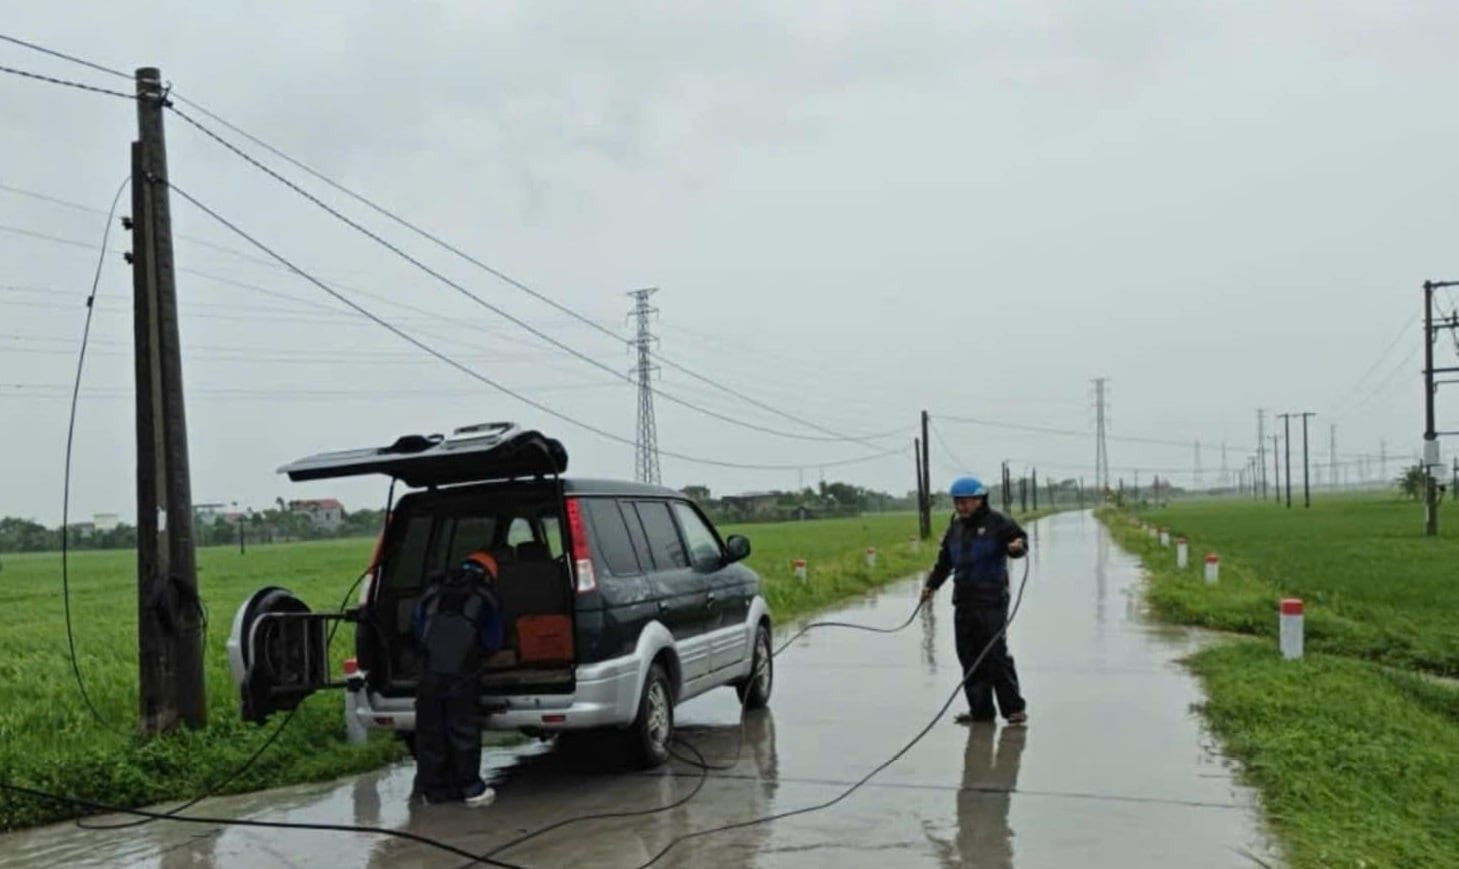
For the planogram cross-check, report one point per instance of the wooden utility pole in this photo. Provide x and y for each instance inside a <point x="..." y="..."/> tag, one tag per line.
<point x="169" y="614"/>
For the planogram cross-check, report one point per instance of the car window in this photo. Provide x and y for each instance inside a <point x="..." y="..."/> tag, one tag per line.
<point x="664" y="544"/>
<point x="468" y="534"/>
<point x="519" y="532"/>
<point x="704" y="549"/>
<point x="610" y="536"/>
<point x="553" y="529"/>
<point x="405" y="565"/>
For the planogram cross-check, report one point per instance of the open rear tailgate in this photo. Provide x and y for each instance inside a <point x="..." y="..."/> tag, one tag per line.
<point x="492" y="451"/>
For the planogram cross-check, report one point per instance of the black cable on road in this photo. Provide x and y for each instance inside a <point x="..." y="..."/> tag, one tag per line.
<point x="698" y="761"/>
<point x="921" y="734"/>
<point x="94" y="806"/>
<point x="70" y="441"/>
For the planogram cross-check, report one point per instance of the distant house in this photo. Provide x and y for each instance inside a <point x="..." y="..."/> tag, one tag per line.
<point x="81" y="529"/>
<point x="326" y="514"/>
<point x="751" y="504"/>
<point x="106" y="521"/>
<point x="207" y="514"/>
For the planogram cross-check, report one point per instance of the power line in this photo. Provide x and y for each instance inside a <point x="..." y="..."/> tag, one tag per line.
<point x="833" y="435"/>
<point x="482" y="302"/>
<point x="398" y="332"/>
<point x="1407" y="324"/>
<point x="63" y="56"/>
<point x="35" y="76"/>
<point x="70" y="442"/>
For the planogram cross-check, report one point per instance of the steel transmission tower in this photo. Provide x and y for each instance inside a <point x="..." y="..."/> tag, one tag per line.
<point x="1101" y="449"/>
<point x="646" y="449"/>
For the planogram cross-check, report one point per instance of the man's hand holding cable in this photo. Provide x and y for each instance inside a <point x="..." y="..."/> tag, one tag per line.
<point x="1017" y="547"/>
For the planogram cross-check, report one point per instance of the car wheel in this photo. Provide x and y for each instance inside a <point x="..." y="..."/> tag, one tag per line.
<point x="648" y="737"/>
<point x="755" y="691"/>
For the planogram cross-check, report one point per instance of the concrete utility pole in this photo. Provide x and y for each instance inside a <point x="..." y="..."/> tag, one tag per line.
<point x="169" y="613"/>
<point x="1023" y="494"/>
<point x="1007" y="489"/>
<point x="926" y="480"/>
<point x="1332" y="455"/>
<point x="921" y="485"/>
<point x="1286" y="419"/>
<point x="1261" y="448"/>
<point x="1306" y="486"/>
<point x="1101" y="449"/>
<point x="1431" y="435"/>
<point x="1034" y="487"/>
<point x="1276" y="471"/>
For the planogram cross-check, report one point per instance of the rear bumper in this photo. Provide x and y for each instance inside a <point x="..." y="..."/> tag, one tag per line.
<point x="606" y="696"/>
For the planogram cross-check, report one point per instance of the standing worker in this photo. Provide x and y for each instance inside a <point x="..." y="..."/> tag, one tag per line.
<point x="974" y="553"/>
<point x="457" y="625"/>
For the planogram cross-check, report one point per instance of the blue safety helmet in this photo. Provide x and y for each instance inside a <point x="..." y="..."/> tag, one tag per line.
<point x="969" y="487"/>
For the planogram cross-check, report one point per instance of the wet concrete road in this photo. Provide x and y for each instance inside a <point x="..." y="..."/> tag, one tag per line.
<point x="1114" y="769"/>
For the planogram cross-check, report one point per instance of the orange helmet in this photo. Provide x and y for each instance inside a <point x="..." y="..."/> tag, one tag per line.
<point x="482" y="559"/>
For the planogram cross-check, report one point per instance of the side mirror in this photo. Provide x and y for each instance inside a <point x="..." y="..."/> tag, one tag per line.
<point x="736" y="548"/>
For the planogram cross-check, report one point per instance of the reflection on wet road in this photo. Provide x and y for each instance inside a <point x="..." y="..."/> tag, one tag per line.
<point x="1114" y="769"/>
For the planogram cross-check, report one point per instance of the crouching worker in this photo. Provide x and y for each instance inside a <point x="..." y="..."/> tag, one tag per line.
<point x="456" y="625"/>
<point x="974" y="553"/>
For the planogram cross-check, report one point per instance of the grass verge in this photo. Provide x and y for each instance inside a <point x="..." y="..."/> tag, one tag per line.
<point x="1355" y="763"/>
<point x="1374" y="586"/>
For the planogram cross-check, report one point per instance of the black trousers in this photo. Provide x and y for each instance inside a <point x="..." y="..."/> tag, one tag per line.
<point x="976" y="624"/>
<point x="447" y="737"/>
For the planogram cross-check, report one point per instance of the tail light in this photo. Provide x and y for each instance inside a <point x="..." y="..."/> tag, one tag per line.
<point x="582" y="558"/>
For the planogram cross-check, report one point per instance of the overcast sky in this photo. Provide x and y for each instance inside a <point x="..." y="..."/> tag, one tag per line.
<point x="853" y="210"/>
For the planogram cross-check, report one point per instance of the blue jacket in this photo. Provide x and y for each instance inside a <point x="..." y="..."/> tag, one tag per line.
<point x="974" y="553"/>
<point x="490" y="619"/>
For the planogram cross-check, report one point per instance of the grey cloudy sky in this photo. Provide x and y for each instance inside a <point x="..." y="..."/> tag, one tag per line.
<point x="854" y="211"/>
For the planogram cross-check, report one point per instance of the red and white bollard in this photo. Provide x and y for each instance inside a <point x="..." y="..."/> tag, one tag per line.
<point x="1291" y="628"/>
<point x="800" y="570"/>
<point x="1164" y="536"/>
<point x="1213" y="568"/>
<point x="871" y="556"/>
<point x="354" y="728"/>
<point x="1182" y="553"/>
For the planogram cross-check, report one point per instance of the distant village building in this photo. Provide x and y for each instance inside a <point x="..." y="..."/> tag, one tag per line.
<point x="208" y="513"/>
<point x="751" y="504"/>
<point x="105" y="522"/>
<point x="326" y="514"/>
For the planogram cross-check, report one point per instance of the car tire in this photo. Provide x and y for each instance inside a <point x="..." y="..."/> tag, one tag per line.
<point x="647" y="739"/>
<point x="755" y="690"/>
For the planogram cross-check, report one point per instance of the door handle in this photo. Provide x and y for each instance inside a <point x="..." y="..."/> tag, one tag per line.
<point x="663" y="606"/>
